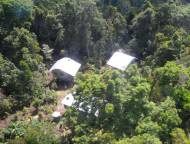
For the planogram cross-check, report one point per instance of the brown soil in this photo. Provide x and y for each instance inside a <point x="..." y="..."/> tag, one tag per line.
<point x="60" y="96"/>
<point x="4" y="123"/>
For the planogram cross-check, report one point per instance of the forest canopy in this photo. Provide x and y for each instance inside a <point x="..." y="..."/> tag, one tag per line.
<point x="148" y="103"/>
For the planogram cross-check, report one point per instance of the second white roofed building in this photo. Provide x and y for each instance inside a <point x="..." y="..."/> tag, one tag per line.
<point x="120" y="60"/>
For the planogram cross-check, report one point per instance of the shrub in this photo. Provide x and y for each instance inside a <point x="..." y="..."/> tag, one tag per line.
<point x="34" y="132"/>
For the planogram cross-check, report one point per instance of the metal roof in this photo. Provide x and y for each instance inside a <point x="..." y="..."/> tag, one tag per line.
<point x="66" y="65"/>
<point x="120" y="60"/>
<point x="56" y="114"/>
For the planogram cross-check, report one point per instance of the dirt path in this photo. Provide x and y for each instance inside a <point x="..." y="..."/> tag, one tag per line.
<point x="60" y="96"/>
<point x="4" y="123"/>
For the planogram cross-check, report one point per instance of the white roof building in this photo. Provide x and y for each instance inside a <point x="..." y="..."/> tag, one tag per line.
<point x="56" y="114"/>
<point x="120" y="60"/>
<point x="68" y="100"/>
<point x="66" y="65"/>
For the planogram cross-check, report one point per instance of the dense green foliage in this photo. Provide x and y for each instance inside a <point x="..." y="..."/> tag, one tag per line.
<point x="33" y="133"/>
<point x="148" y="103"/>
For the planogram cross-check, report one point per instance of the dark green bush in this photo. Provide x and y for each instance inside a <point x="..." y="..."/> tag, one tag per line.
<point x="34" y="132"/>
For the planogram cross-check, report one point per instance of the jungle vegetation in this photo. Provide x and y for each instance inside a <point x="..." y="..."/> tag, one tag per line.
<point x="148" y="103"/>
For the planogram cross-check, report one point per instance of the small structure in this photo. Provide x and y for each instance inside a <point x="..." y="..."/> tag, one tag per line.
<point x="65" y="70"/>
<point x="97" y="113"/>
<point x="68" y="100"/>
<point x="66" y="65"/>
<point x="56" y="114"/>
<point x="120" y="60"/>
<point x="88" y="109"/>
